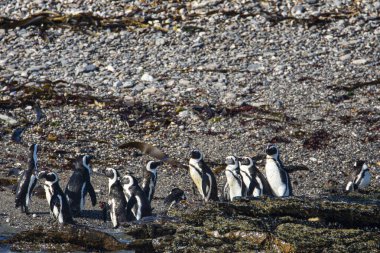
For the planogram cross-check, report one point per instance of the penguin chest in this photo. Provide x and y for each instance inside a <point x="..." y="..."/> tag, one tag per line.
<point x="234" y="183"/>
<point x="365" y="180"/>
<point x="196" y="176"/>
<point x="48" y="193"/>
<point x="277" y="178"/>
<point x="112" y="204"/>
<point x="137" y="210"/>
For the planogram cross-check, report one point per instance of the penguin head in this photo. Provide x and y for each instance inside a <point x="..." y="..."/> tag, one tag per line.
<point x="86" y="162"/>
<point x="246" y="161"/>
<point x="50" y="177"/>
<point x="272" y="150"/>
<point x="152" y="166"/>
<point x="128" y="180"/>
<point x="111" y="173"/>
<point x="360" y="165"/>
<point x="196" y="155"/>
<point x="232" y="160"/>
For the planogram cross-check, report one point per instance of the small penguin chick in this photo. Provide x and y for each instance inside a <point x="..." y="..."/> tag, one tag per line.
<point x="360" y="177"/>
<point x="176" y="195"/>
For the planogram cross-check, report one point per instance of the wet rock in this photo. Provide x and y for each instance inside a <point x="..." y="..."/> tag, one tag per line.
<point x="72" y="238"/>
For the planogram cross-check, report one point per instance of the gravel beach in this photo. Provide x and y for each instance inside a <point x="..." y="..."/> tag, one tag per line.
<point x="226" y="77"/>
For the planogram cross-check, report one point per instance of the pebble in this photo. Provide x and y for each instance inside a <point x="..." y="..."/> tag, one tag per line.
<point x="360" y="61"/>
<point x="147" y="78"/>
<point x="89" y="68"/>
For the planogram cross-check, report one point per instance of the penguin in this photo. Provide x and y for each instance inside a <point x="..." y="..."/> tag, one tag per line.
<point x="360" y="177"/>
<point x="234" y="186"/>
<point x="27" y="181"/>
<point x="276" y="174"/>
<point x="176" y="195"/>
<point x="150" y="178"/>
<point x="138" y="205"/>
<point x="59" y="207"/>
<point x="203" y="177"/>
<point x="255" y="183"/>
<point x="79" y="185"/>
<point x="117" y="203"/>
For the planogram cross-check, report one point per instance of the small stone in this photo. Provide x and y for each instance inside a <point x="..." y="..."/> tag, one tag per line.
<point x="110" y="68"/>
<point x="311" y="1"/>
<point x="345" y="57"/>
<point x="7" y="220"/>
<point x="255" y="67"/>
<point x="118" y="84"/>
<point x="298" y="10"/>
<point x="34" y="215"/>
<point x="90" y="68"/>
<point x="128" y="84"/>
<point x="147" y="78"/>
<point x="313" y="159"/>
<point x="184" y="114"/>
<point x="160" y="42"/>
<point x="184" y="82"/>
<point x="150" y="90"/>
<point x="360" y="61"/>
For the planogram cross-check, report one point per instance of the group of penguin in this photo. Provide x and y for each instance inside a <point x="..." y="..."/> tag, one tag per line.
<point x="127" y="201"/>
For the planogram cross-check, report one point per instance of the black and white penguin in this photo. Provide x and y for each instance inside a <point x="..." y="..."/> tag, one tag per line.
<point x="59" y="207"/>
<point x="276" y="174"/>
<point x="175" y="196"/>
<point x="117" y="203"/>
<point x="79" y="185"/>
<point x="234" y="186"/>
<point x="359" y="178"/>
<point x="255" y="183"/>
<point x="203" y="177"/>
<point x="150" y="179"/>
<point x="138" y="205"/>
<point x="27" y="181"/>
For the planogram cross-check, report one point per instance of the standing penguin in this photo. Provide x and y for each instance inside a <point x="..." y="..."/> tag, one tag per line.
<point x="234" y="186"/>
<point x="56" y="198"/>
<point x="360" y="177"/>
<point x="79" y="185"/>
<point x="255" y="183"/>
<point x="277" y="176"/>
<point x="27" y="181"/>
<point x="116" y="199"/>
<point x="203" y="177"/>
<point x="150" y="179"/>
<point x="138" y="205"/>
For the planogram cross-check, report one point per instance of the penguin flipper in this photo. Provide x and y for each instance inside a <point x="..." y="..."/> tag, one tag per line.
<point x="130" y="204"/>
<point x="21" y="190"/>
<point x="92" y="193"/>
<point x="206" y="189"/>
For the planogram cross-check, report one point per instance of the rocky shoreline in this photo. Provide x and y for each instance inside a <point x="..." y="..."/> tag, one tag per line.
<point x="226" y="77"/>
